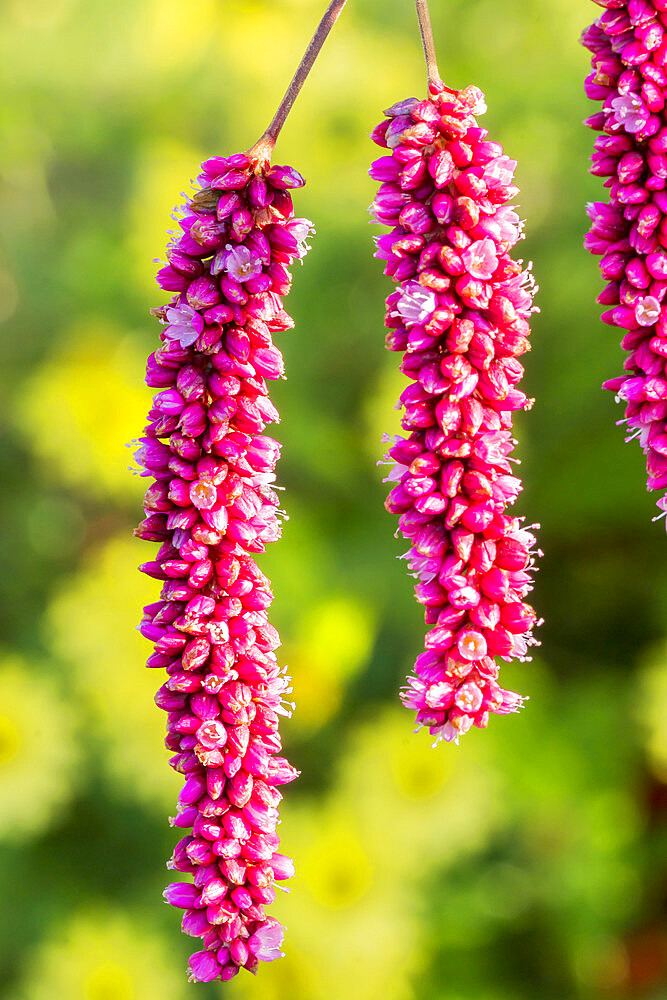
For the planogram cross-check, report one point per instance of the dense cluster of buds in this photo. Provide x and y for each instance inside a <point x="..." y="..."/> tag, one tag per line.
<point x="629" y="46"/>
<point x="460" y="315"/>
<point x="213" y="508"/>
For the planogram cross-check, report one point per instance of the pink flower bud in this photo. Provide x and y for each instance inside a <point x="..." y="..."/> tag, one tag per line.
<point x="181" y="894"/>
<point x="284" y="177"/>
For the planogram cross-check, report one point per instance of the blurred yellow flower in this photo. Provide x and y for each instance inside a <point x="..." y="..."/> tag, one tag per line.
<point x="397" y="812"/>
<point x="333" y="643"/>
<point x="347" y="921"/>
<point x="164" y="172"/>
<point x="38" y="754"/>
<point x="380" y="413"/>
<point x="167" y="33"/>
<point x="652" y="710"/>
<point x="300" y="567"/>
<point x="92" y="626"/>
<point x="102" y="956"/>
<point x="9" y="295"/>
<point x="412" y="801"/>
<point x="84" y="405"/>
<point x="294" y="977"/>
<point x="38" y="16"/>
<point x="336" y="869"/>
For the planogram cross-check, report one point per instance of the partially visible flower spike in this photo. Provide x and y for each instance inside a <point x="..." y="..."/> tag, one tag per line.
<point x="213" y="507"/>
<point x="629" y="231"/>
<point x="460" y="315"/>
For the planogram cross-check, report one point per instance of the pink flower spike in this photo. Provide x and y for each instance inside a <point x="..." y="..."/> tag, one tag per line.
<point x="461" y="328"/>
<point x="211" y="508"/>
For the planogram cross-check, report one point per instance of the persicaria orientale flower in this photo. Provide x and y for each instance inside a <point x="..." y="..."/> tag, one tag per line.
<point x="460" y="316"/>
<point x="212" y="507"/>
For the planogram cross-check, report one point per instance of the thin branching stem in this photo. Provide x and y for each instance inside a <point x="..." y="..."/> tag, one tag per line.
<point x="261" y="151"/>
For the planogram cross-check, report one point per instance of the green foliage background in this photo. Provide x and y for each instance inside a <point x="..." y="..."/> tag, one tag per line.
<point x="527" y="862"/>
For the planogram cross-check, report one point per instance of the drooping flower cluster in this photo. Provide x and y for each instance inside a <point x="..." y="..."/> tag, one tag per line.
<point x="460" y="315"/>
<point x="630" y="231"/>
<point x="213" y="508"/>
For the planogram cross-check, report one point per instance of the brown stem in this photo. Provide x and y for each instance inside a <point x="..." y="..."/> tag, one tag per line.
<point x="427" y="40"/>
<point x="261" y="151"/>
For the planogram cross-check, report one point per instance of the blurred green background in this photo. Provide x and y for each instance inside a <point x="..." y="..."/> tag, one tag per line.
<point x="527" y="862"/>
